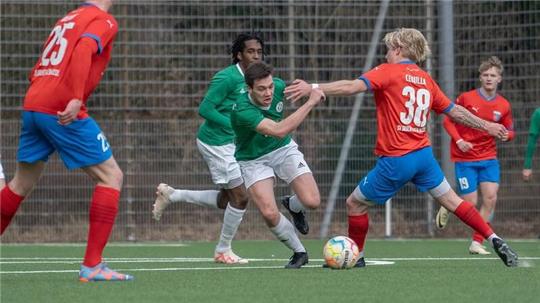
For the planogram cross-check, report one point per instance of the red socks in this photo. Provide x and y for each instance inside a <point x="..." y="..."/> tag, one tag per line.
<point x="9" y="203"/>
<point x="478" y="237"/>
<point x="358" y="228"/>
<point x="103" y="210"/>
<point x="467" y="213"/>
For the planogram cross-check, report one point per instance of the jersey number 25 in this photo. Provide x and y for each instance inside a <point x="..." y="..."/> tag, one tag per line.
<point x="50" y="57"/>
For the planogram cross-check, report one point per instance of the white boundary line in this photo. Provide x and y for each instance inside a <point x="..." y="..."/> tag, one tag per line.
<point x="169" y="244"/>
<point x="68" y="260"/>
<point x="114" y="244"/>
<point x="18" y="272"/>
<point x="371" y="262"/>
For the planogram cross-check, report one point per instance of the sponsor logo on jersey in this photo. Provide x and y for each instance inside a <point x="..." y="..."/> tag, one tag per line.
<point x="496" y="116"/>
<point x="279" y="107"/>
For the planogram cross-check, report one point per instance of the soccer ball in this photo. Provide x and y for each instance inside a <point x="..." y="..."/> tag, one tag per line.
<point x="341" y="252"/>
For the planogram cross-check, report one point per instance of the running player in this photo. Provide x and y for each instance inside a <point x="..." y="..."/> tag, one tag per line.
<point x="55" y="117"/>
<point x="215" y="141"/>
<point x="404" y="95"/>
<point x="534" y="132"/>
<point x="474" y="152"/>
<point x="264" y="149"/>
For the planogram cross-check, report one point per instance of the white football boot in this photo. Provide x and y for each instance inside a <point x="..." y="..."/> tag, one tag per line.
<point x="229" y="257"/>
<point x="442" y="218"/>
<point x="478" y="249"/>
<point x="163" y="200"/>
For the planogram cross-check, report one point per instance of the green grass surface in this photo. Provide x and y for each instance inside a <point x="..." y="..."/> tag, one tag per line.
<point x="418" y="271"/>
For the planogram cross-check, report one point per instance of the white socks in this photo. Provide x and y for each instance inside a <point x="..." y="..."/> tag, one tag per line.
<point x="231" y="220"/>
<point x="284" y="231"/>
<point x="295" y="204"/>
<point x="207" y="198"/>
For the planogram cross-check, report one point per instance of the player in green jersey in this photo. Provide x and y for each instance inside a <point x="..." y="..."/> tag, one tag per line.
<point x="534" y="132"/>
<point x="215" y="141"/>
<point x="264" y="149"/>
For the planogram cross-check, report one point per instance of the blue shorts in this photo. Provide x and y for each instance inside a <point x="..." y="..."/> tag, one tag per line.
<point x="470" y="174"/>
<point x="80" y="144"/>
<point x="392" y="173"/>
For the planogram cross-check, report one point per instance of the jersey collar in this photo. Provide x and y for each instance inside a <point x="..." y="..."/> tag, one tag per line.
<point x="485" y="96"/>
<point x="239" y="69"/>
<point x="88" y="4"/>
<point x="406" y="61"/>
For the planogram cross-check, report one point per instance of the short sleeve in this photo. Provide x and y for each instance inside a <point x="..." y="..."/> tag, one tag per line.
<point x="249" y="117"/>
<point x="441" y="103"/>
<point x="377" y="78"/>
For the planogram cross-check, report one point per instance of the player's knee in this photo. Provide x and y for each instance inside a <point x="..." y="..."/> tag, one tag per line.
<point x="312" y="201"/>
<point x="116" y="178"/>
<point x="271" y="217"/>
<point x="21" y="187"/>
<point x="490" y="200"/>
<point x="242" y="202"/>
<point x="355" y="207"/>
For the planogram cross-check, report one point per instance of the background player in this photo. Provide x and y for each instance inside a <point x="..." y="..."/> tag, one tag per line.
<point x="55" y="117"/>
<point x="264" y="148"/>
<point x="534" y="132"/>
<point x="2" y="177"/>
<point x="215" y="141"/>
<point x="404" y="95"/>
<point x="474" y="152"/>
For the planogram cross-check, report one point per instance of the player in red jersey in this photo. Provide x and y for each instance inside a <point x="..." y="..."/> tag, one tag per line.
<point x="474" y="152"/>
<point x="404" y="96"/>
<point x="70" y="67"/>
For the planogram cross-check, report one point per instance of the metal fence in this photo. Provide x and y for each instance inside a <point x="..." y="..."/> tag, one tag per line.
<point x="164" y="56"/>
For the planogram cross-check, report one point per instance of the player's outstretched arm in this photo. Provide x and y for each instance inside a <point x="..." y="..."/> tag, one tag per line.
<point x="289" y="124"/>
<point x="300" y="88"/>
<point x="461" y="115"/>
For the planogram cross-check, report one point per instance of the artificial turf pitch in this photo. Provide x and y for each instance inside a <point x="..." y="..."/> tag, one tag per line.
<point x="397" y="271"/>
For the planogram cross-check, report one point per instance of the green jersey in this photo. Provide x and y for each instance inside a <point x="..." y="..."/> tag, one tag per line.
<point x="225" y="89"/>
<point x="534" y="132"/>
<point x="246" y="116"/>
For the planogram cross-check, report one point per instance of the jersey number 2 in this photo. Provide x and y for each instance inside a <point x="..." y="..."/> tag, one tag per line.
<point x="50" y="57"/>
<point x="417" y="106"/>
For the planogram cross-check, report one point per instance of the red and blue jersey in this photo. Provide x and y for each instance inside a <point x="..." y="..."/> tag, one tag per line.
<point x="496" y="109"/>
<point x="404" y="96"/>
<point x="60" y="76"/>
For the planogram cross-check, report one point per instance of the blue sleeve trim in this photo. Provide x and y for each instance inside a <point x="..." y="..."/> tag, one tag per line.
<point x="366" y="81"/>
<point x="98" y="41"/>
<point x="449" y="108"/>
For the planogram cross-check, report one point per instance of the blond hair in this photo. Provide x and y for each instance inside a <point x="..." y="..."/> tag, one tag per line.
<point x="413" y="44"/>
<point x="492" y="61"/>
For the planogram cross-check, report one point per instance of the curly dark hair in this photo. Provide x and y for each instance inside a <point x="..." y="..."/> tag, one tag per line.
<point x="238" y="44"/>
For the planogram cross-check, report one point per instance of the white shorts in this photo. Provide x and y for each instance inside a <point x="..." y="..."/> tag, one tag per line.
<point x="287" y="162"/>
<point x="223" y="167"/>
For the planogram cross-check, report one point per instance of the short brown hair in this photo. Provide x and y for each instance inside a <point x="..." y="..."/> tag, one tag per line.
<point x="492" y="61"/>
<point x="412" y="42"/>
<point x="257" y="71"/>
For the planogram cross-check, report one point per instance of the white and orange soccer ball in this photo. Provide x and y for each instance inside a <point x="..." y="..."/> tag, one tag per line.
<point x="341" y="252"/>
